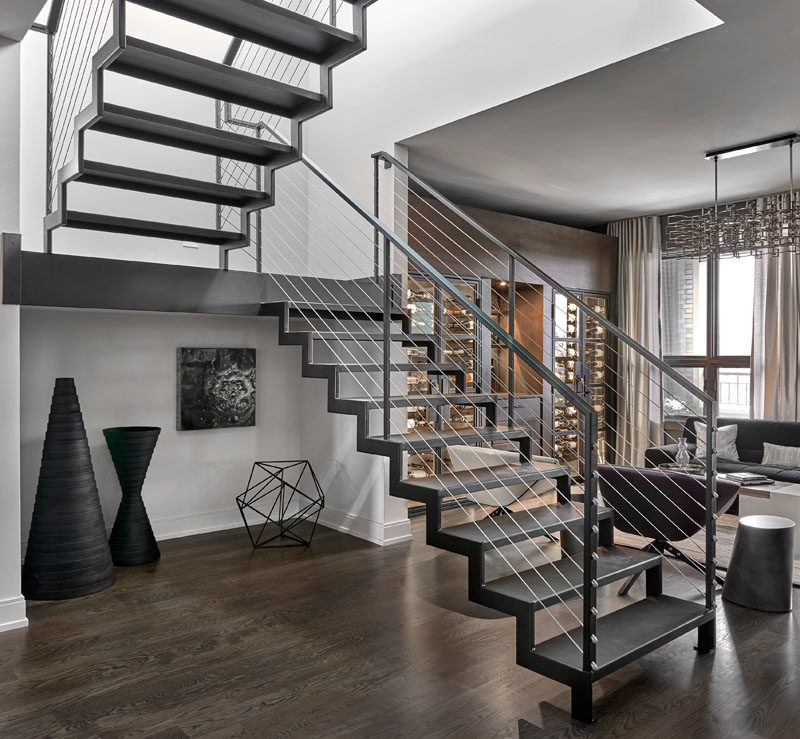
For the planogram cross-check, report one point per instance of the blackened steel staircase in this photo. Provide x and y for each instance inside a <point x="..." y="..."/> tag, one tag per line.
<point x="322" y="313"/>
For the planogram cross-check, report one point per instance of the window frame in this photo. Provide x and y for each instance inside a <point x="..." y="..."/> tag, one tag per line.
<point x="712" y="361"/>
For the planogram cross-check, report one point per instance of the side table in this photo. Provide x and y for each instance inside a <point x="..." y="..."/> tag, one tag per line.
<point x="760" y="572"/>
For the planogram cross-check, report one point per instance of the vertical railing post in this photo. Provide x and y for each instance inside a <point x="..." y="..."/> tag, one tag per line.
<point x="49" y="183"/>
<point x="218" y="160"/>
<point x="333" y="11"/>
<point x="387" y="332"/>
<point x="711" y="503"/>
<point x="260" y="184"/>
<point x="590" y="540"/>
<point x="377" y="212"/>
<point x="512" y="302"/>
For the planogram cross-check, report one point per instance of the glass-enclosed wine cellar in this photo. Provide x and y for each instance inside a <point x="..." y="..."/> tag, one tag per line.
<point x="581" y="358"/>
<point x="580" y="354"/>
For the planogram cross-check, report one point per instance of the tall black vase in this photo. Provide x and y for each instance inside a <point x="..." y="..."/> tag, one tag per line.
<point x="68" y="553"/>
<point x="132" y="541"/>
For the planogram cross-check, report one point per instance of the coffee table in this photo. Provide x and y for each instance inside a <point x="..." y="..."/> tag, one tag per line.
<point x="777" y="499"/>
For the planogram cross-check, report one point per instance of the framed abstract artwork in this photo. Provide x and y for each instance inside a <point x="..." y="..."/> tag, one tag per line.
<point x="216" y="388"/>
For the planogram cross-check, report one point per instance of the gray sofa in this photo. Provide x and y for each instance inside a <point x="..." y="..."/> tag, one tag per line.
<point x="750" y="440"/>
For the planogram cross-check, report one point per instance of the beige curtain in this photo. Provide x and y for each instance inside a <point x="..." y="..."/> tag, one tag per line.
<point x="775" y="388"/>
<point x="638" y="295"/>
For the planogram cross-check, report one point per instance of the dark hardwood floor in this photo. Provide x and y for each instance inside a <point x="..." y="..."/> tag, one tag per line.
<point x="352" y="640"/>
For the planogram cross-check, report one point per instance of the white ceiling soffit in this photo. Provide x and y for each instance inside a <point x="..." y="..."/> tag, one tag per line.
<point x="629" y="139"/>
<point x="17" y="16"/>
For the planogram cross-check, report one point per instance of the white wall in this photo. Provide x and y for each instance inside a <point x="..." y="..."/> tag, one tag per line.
<point x="12" y="605"/>
<point x="124" y="365"/>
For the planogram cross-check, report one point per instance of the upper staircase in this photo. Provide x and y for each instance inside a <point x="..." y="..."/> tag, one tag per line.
<point x="359" y="334"/>
<point x="266" y="24"/>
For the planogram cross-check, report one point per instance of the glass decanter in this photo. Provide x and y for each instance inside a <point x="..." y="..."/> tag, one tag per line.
<point x="682" y="458"/>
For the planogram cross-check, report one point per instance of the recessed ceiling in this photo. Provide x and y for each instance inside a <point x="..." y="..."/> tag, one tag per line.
<point x="629" y="139"/>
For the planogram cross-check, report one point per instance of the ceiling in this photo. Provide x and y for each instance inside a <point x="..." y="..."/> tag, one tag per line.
<point x="629" y="139"/>
<point x="16" y="17"/>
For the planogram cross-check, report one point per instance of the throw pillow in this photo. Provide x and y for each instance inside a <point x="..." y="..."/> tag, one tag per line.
<point x="726" y="441"/>
<point x="786" y="456"/>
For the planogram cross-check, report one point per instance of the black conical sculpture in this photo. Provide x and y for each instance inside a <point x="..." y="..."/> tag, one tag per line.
<point x="68" y="553"/>
<point x="132" y="541"/>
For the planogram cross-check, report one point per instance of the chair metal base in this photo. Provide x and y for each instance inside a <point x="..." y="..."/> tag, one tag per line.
<point x="664" y="547"/>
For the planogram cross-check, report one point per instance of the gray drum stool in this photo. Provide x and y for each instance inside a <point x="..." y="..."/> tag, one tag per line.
<point x="760" y="572"/>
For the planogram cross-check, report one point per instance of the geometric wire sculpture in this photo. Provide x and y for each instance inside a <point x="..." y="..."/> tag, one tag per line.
<point x="286" y="496"/>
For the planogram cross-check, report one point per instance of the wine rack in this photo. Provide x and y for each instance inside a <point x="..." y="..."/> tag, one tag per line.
<point x="437" y="314"/>
<point x="581" y="359"/>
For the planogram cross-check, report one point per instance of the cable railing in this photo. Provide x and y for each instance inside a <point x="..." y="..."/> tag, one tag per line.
<point x="76" y="30"/>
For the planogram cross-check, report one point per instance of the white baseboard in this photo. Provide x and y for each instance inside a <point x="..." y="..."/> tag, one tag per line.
<point x="190" y="524"/>
<point x="12" y="614"/>
<point x="376" y="532"/>
<point x="366" y="528"/>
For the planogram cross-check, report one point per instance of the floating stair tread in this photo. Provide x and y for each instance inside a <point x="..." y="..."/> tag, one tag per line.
<point x="625" y="635"/>
<point x="520" y="525"/>
<point x="338" y="310"/>
<point x="372" y="336"/>
<point x="433" y="399"/>
<point x="158" y="129"/>
<point x="262" y="23"/>
<point x="111" y="175"/>
<point x="563" y="578"/>
<point x="424" y="440"/>
<point x="194" y="74"/>
<point x="114" y="224"/>
<point x="487" y="478"/>
<point x="434" y="369"/>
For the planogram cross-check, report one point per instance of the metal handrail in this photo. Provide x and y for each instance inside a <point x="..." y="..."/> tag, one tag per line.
<point x="611" y="327"/>
<point x="54" y="17"/>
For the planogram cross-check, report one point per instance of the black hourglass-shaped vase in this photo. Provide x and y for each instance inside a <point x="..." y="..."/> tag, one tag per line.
<point x="67" y="554"/>
<point x="132" y="540"/>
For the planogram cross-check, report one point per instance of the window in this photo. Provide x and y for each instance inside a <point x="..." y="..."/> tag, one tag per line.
<point x="713" y="354"/>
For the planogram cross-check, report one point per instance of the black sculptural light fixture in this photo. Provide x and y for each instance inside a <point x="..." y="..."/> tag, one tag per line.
<point x="67" y="553"/>
<point x="132" y="540"/>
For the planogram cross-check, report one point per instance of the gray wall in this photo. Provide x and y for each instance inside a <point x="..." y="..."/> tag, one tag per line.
<point x="576" y="258"/>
